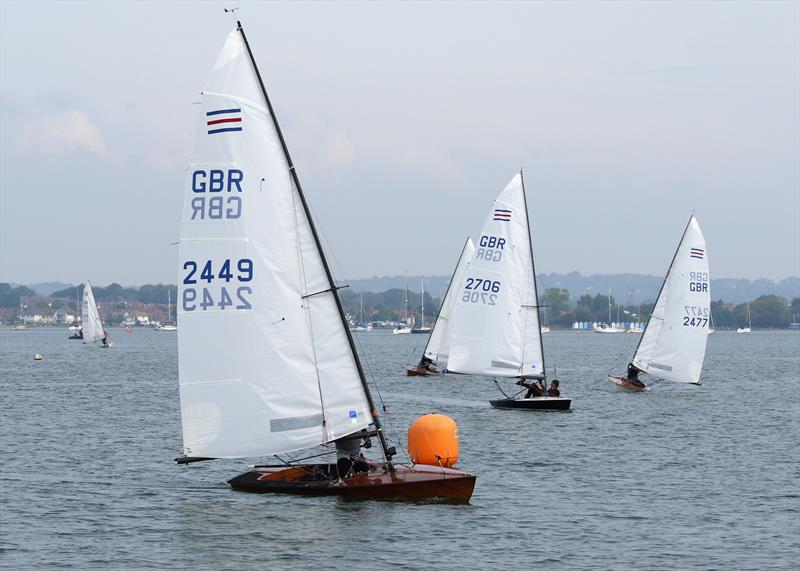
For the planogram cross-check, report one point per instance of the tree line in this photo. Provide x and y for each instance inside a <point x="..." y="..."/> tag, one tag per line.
<point x="767" y="311"/>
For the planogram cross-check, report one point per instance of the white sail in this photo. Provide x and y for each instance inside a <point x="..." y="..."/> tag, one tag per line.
<point x="265" y="364"/>
<point x="90" y="317"/>
<point x="495" y="329"/>
<point x="673" y="344"/>
<point x="438" y="342"/>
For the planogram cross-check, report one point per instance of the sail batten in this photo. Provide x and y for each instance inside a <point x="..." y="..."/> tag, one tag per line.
<point x="264" y="367"/>
<point x="495" y="329"/>
<point x="673" y="344"/>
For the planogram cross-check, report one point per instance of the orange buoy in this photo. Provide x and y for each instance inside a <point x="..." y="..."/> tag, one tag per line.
<point x="433" y="440"/>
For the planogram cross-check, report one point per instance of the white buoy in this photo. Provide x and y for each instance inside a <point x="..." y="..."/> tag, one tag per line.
<point x="37" y="357"/>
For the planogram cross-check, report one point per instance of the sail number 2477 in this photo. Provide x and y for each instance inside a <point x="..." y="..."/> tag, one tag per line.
<point x="695" y="316"/>
<point x="223" y="297"/>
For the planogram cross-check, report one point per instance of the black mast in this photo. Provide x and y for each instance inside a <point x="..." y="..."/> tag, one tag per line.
<point x="674" y="256"/>
<point x="533" y="267"/>
<point x="375" y="419"/>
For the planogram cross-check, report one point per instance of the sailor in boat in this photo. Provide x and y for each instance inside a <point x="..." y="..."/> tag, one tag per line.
<point x="428" y="365"/>
<point x="105" y="338"/>
<point x="633" y="376"/>
<point x="553" y="390"/>
<point x="535" y="388"/>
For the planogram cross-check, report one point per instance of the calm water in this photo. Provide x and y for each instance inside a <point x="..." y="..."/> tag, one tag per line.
<point x="679" y="477"/>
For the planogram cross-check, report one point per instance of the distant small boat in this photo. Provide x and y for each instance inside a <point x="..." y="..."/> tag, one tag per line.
<point x="673" y="345"/>
<point x="607" y="328"/>
<point x="19" y="327"/>
<point x="545" y="329"/>
<point x="422" y="329"/>
<point x="747" y="329"/>
<point x="168" y="326"/>
<point x="93" y="330"/>
<point x="408" y="319"/>
<point x="360" y="327"/>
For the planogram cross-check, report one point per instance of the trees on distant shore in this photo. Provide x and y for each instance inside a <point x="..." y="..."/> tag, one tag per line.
<point x="767" y="311"/>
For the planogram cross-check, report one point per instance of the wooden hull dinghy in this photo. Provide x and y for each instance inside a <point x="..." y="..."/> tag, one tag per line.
<point x="377" y="482"/>
<point x="265" y="267"/>
<point x="533" y="403"/>
<point x="418" y="371"/>
<point x="624" y="383"/>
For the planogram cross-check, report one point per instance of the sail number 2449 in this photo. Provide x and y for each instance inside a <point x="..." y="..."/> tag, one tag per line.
<point x="228" y="295"/>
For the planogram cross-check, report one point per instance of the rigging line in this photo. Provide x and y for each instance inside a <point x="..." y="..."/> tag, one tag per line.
<point x="307" y="307"/>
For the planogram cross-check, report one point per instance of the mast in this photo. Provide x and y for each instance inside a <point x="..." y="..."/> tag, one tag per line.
<point x="333" y="289"/>
<point x="533" y="269"/>
<point x="422" y="302"/>
<point x="663" y="283"/>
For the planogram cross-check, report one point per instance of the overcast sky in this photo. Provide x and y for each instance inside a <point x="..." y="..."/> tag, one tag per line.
<point x="405" y="120"/>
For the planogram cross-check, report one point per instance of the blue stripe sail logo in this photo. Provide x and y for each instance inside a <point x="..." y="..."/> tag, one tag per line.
<point x="501" y="214"/>
<point x="224" y="121"/>
<point x="696" y="253"/>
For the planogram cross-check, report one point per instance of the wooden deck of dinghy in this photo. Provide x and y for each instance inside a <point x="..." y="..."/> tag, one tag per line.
<point x="378" y="482"/>
<point x="624" y="383"/>
<point x="534" y="403"/>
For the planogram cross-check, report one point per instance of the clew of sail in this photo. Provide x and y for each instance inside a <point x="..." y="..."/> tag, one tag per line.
<point x="673" y="345"/>
<point x="90" y="317"/>
<point x="438" y="342"/>
<point x="265" y="365"/>
<point x="495" y="328"/>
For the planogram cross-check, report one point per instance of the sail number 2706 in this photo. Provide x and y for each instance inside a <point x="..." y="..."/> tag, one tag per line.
<point x="223" y="297"/>
<point x="477" y="290"/>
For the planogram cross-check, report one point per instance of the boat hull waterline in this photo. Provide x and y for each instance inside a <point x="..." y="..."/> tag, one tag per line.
<point x="624" y="383"/>
<point x="416" y="371"/>
<point x="404" y="482"/>
<point x="534" y="403"/>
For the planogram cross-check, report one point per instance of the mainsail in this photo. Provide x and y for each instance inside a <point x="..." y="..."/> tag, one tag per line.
<point x="437" y="348"/>
<point x="495" y="330"/>
<point x="265" y="359"/>
<point x="90" y="317"/>
<point x="673" y="345"/>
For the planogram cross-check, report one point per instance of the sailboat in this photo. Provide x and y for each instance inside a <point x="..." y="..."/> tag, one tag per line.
<point x="93" y="330"/>
<point x="435" y="352"/>
<point x="609" y="327"/>
<point x="422" y="329"/>
<point x="168" y="326"/>
<point x="496" y="329"/>
<point x="267" y="364"/>
<point x="408" y="320"/>
<point x="711" y="327"/>
<point x="75" y="327"/>
<point x="749" y="327"/>
<point x="361" y="327"/>
<point x="673" y="345"/>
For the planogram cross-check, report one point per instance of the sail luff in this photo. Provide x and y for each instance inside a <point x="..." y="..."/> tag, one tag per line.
<point x="533" y="270"/>
<point x="437" y="323"/>
<point x="328" y="274"/>
<point x="661" y="289"/>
